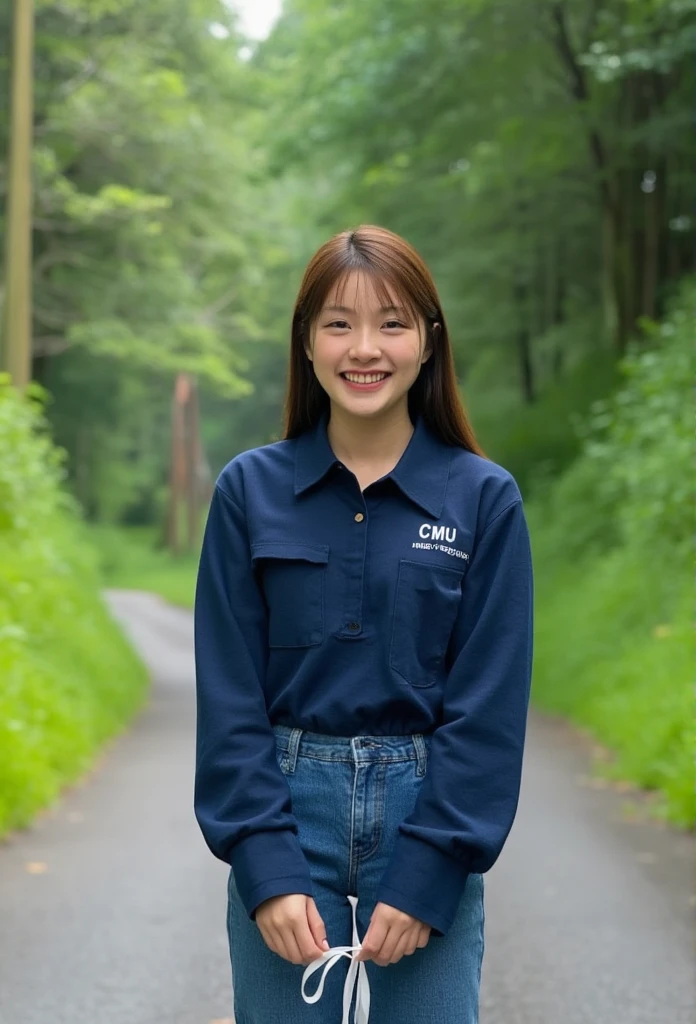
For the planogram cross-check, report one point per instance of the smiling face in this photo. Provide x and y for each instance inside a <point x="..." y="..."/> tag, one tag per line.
<point x="366" y="347"/>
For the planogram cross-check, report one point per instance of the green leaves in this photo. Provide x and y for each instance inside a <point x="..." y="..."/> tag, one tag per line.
<point x="69" y="679"/>
<point x="642" y="439"/>
<point x="140" y="187"/>
<point x="31" y="469"/>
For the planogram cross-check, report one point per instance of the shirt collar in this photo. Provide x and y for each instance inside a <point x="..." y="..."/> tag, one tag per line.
<point x="421" y="472"/>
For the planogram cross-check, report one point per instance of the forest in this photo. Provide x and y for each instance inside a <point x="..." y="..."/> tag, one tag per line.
<point x="539" y="154"/>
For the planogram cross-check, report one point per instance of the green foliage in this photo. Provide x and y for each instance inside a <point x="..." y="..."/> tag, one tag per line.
<point x="180" y="190"/>
<point x="637" y="445"/>
<point x="31" y="468"/>
<point x="641" y="441"/>
<point x="142" y="211"/>
<point x="614" y="581"/>
<point x="537" y="442"/>
<point x="69" y="680"/>
<point x="537" y="186"/>
<point x="614" y="654"/>
<point x="131" y="559"/>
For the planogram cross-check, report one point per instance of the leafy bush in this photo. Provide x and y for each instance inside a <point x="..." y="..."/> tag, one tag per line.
<point x="614" y="583"/>
<point x="538" y="442"/>
<point x="69" y="679"/>
<point x="641" y="440"/>
<point x="128" y="557"/>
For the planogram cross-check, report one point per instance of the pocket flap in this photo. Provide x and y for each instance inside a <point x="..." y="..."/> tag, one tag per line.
<point x="318" y="553"/>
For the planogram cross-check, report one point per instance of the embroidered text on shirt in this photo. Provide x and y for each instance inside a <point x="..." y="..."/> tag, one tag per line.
<point x="432" y="534"/>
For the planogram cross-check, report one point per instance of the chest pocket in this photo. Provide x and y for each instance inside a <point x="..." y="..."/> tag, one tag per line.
<point x="425" y="608"/>
<point x="292" y="578"/>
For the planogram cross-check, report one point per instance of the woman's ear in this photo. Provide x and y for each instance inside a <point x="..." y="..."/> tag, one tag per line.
<point x="428" y="347"/>
<point x="308" y="345"/>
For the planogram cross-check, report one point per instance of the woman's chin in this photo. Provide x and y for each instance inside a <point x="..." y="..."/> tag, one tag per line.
<point x="363" y="408"/>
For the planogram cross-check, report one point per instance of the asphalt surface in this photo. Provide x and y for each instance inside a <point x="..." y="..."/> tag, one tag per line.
<point x="112" y="911"/>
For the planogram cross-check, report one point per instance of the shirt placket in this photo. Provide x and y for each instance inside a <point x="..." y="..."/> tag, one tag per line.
<point x="352" y="625"/>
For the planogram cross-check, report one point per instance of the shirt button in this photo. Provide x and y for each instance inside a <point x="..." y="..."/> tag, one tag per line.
<point x="359" y="517"/>
<point x="354" y="627"/>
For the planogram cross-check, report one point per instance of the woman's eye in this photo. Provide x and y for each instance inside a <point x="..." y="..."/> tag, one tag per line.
<point x="338" y="323"/>
<point x="391" y="324"/>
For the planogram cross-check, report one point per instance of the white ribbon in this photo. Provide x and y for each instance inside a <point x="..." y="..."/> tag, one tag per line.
<point x="357" y="975"/>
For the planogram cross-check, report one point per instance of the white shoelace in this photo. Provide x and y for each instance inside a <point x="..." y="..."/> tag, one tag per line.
<point x="357" y="975"/>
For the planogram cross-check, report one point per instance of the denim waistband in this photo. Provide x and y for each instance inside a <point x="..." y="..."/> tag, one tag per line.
<point x="295" y="742"/>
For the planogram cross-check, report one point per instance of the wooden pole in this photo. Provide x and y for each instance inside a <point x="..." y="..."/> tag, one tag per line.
<point x="16" y="349"/>
<point x="177" y="468"/>
<point x="192" y="464"/>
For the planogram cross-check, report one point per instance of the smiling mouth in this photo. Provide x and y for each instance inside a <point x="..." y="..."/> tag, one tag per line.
<point x="364" y="378"/>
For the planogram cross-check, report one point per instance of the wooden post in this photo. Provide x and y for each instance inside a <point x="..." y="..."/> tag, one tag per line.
<point x="193" y="468"/>
<point x="16" y="349"/>
<point x="177" y="466"/>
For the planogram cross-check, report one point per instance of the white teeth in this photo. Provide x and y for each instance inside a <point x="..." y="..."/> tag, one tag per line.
<point x="365" y="378"/>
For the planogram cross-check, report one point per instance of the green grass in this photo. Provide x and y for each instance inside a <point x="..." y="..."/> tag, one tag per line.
<point x="128" y="559"/>
<point x="613" y="654"/>
<point x="70" y="679"/>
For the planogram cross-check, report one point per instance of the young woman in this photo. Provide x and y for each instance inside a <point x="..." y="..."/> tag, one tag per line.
<point x="363" y="653"/>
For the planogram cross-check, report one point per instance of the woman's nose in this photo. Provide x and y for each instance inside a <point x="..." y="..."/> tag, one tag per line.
<point x="365" y="344"/>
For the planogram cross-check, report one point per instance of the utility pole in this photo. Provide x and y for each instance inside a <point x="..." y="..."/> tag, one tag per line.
<point x="16" y="347"/>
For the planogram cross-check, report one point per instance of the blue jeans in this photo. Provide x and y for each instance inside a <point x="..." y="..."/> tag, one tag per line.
<point x="348" y="796"/>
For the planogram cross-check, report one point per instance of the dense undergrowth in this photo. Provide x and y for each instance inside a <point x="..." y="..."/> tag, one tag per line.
<point x="614" y="568"/>
<point x="68" y="679"/>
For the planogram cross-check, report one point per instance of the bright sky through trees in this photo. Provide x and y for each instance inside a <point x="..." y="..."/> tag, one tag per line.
<point x="257" y="17"/>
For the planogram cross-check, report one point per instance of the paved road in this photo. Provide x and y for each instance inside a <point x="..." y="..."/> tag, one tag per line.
<point x="589" y="918"/>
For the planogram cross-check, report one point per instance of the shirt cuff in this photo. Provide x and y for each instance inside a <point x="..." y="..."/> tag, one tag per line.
<point x="423" y="882"/>
<point x="268" y="864"/>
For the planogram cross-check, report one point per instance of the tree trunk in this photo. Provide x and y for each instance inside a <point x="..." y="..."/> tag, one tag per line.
<point x="611" y="280"/>
<point x="524" y="347"/>
<point x="177" y="467"/>
<point x="82" y="460"/>
<point x="607" y="268"/>
<point x="651" y="242"/>
<point x="193" y="489"/>
<point x="558" y="307"/>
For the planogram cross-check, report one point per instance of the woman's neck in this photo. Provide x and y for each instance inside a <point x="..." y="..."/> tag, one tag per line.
<point x="370" y="447"/>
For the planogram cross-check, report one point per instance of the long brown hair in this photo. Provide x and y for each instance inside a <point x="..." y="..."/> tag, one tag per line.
<point x="390" y="261"/>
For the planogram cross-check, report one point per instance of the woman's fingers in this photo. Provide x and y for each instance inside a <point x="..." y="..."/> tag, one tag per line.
<point x="284" y="924"/>
<point x="397" y="944"/>
<point x="405" y="946"/>
<point x="316" y="924"/>
<point x="293" y="928"/>
<point x="374" y="938"/>
<point x="391" y="934"/>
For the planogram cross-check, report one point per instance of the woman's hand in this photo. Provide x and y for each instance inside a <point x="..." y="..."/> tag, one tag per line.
<point x="292" y="927"/>
<point x="391" y="935"/>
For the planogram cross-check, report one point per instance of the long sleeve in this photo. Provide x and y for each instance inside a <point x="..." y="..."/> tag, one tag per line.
<point x="469" y="796"/>
<point x="242" y="800"/>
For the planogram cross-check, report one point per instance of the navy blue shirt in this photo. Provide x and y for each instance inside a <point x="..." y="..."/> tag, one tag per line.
<point x="411" y="603"/>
